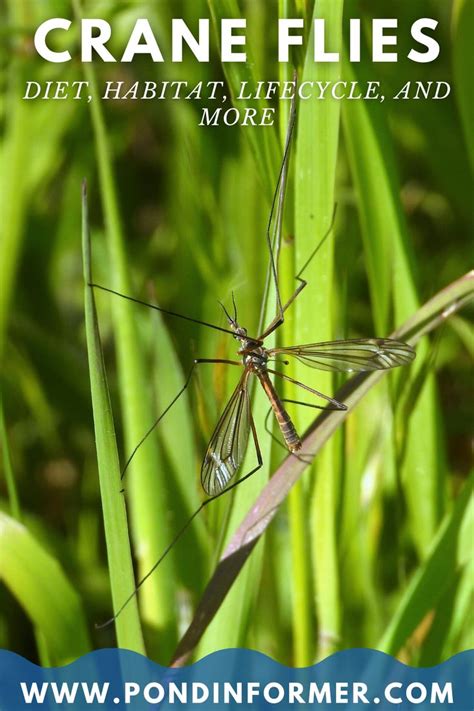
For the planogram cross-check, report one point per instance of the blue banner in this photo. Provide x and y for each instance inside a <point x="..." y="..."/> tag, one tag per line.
<point x="236" y="679"/>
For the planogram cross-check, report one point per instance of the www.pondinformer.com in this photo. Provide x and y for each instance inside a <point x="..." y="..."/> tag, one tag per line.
<point x="291" y="693"/>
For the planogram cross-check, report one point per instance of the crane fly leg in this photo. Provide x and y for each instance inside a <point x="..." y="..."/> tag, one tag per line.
<point x="337" y="405"/>
<point x="185" y="527"/>
<point x="279" y="319"/>
<point x="196" y="362"/>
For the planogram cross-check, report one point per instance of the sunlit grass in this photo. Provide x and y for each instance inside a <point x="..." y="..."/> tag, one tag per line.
<point x="178" y="215"/>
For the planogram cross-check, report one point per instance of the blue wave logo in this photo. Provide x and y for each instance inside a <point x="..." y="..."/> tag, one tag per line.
<point x="237" y="679"/>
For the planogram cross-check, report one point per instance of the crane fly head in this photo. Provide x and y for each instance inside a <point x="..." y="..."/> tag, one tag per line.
<point x="247" y="344"/>
<point x="239" y="332"/>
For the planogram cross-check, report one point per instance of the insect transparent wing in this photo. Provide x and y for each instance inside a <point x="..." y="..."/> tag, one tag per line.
<point x="228" y="443"/>
<point x="352" y="355"/>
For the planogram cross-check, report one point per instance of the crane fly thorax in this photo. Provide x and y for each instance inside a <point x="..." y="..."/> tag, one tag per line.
<point x="254" y="356"/>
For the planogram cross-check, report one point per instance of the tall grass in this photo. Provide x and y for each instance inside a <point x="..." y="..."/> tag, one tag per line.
<point x="372" y="549"/>
<point x="115" y="519"/>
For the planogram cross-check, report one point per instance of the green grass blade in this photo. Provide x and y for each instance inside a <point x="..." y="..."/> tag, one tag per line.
<point x="122" y="580"/>
<point x="461" y="636"/>
<point x="315" y="174"/>
<point x="146" y="481"/>
<point x="7" y="468"/>
<point x="15" y="510"/>
<point x="37" y="581"/>
<point x="299" y="582"/>
<point x="180" y="453"/>
<point x="389" y="265"/>
<point x="230" y="625"/>
<point x="435" y="575"/>
<point x="15" y="152"/>
<point x="463" y="31"/>
<point x="30" y="144"/>
<point x="262" y="140"/>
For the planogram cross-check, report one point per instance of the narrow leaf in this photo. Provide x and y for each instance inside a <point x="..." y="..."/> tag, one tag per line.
<point x="115" y="518"/>
<point x="37" y="581"/>
<point x="433" y="578"/>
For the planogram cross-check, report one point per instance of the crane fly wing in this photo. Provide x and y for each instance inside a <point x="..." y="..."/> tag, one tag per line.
<point x="352" y="355"/>
<point x="228" y="443"/>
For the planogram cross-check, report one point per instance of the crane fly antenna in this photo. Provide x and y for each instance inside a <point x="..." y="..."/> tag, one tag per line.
<point x="235" y="307"/>
<point x="228" y="316"/>
<point x="159" y="308"/>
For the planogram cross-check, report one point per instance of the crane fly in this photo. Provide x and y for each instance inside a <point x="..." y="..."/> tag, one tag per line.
<point x="228" y="443"/>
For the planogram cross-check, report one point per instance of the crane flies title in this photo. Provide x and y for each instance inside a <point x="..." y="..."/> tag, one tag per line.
<point x="96" y="33"/>
<point x="59" y="40"/>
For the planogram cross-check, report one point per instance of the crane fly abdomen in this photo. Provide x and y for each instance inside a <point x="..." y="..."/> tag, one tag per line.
<point x="288" y="430"/>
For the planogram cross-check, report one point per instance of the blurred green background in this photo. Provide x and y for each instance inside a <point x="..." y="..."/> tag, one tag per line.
<point x="373" y="547"/>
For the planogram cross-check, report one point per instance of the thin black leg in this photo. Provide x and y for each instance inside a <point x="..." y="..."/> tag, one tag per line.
<point x="337" y="405"/>
<point x="191" y="519"/>
<point x="279" y="318"/>
<point x="196" y="362"/>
